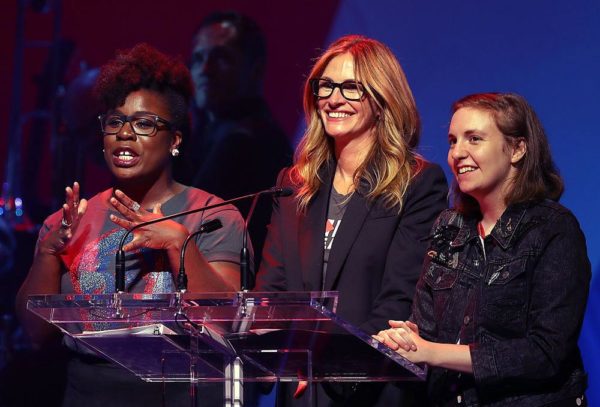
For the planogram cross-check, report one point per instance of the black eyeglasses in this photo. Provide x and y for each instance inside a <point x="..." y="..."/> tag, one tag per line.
<point x="142" y="125"/>
<point x="323" y="88"/>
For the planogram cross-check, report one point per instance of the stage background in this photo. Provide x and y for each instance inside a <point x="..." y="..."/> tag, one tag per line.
<point x="546" y="51"/>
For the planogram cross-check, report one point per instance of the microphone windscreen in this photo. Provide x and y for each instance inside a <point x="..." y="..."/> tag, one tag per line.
<point x="282" y="191"/>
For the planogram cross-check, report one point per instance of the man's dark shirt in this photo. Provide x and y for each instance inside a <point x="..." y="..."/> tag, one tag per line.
<point x="236" y="155"/>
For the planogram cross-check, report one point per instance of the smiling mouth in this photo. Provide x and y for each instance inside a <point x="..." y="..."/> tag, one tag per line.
<point x="338" y="115"/>
<point x="464" y="170"/>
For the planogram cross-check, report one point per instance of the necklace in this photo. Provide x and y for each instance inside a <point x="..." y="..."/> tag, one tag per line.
<point x="339" y="199"/>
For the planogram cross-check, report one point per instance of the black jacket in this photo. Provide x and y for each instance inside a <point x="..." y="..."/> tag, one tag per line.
<point x="375" y="259"/>
<point x="519" y="306"/>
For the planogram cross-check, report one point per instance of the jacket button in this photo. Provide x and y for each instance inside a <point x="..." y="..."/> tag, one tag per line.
<point x="578" y="401"/>
<point x="466" y="320"/>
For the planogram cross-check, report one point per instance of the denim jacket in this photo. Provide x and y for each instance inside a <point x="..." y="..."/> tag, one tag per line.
<point x="517" y="298"/>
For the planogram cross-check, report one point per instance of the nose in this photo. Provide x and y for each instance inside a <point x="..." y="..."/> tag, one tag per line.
<point x="126" y="132"/>
<point x="457" y="151"/>
<point x="204" y="64"/>
<point x="336" y="98"/>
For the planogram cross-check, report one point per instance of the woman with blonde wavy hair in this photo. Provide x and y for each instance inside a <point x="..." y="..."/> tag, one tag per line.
<point x="364" y="199"/>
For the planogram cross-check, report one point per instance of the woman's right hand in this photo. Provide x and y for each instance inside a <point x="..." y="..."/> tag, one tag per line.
<point x="401" y="337"/>
<point x="58" y="237"/>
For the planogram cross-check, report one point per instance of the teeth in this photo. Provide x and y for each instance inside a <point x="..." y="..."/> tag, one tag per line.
<point x="337" y="115"/>
<point x="462" y="170"/>
<point x="125" y="155"/>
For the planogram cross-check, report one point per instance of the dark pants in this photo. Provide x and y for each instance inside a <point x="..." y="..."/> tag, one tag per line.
<point x="92" y="383"/>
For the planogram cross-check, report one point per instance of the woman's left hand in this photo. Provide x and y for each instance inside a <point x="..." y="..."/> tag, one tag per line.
<point x="163" y="235"/>
<point x="403" y="337"/>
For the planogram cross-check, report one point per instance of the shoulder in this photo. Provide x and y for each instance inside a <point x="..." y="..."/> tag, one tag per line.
<point x="427" y="172"/>
<point x="553" y="215"/>
<point x="195" y="197"/>
<point x="450" y="217"/>
<point x="428" y="188"/>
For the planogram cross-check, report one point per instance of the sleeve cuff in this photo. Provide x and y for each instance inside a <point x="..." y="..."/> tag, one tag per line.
<point x="484" y="363"/>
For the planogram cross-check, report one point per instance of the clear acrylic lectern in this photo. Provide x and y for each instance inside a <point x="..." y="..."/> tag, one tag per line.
<point x="225" y="337"/>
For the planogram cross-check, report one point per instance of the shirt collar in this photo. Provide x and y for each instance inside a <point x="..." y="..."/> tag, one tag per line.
<point x="503" y="232"/>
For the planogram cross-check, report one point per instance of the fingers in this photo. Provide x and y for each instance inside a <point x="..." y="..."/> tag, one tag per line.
<point x="67" y="218"/>
<point x="402" y="336"/>
<point x="397" y="339"/>
<point x="82" y="207"/>
<point x="384" y="337"/>
<point x="125" y="202"/>
<point x="412" y="326"/>
<point x="124" y="223"/>
<point x="135" y="244"/>
<point x="72" y="205"/>
<point x="76" y="188"/>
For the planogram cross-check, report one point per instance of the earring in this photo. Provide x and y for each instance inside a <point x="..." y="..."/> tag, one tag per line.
<point x="175" y="152"/>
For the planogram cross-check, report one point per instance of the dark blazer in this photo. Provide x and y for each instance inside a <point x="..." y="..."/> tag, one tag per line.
<point x="374" y="263"/>
<point x="376" y="257"/>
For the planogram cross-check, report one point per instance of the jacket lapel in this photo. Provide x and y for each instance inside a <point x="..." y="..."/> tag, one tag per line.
<point x="311" y="234"/>
<point x="352" y="222"/>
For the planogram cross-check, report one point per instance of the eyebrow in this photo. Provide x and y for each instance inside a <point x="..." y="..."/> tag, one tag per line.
<point x="135" y="113"/>
<point x="344" y="81"/>
<point x="469" y="132"/>
<point x="472" y="131"/>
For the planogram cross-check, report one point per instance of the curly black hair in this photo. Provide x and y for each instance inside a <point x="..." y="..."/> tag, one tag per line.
<point x="144" y="67"/>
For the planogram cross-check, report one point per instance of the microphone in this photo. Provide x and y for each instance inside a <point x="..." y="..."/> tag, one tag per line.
<point x="206" y="227"/>
<point x="246" y="281"/>
<point x="120" y="256"/>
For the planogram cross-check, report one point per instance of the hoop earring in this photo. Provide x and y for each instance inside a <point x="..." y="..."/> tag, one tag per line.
<point x="175" y="152"/>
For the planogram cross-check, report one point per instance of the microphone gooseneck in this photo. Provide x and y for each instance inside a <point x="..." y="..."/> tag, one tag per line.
<point x="207" y="227"/>
<point x="120" y="256"/>
<point x="246" y="277"/>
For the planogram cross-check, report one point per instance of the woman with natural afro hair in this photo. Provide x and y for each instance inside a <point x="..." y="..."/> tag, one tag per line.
<point x="146" y="96"/>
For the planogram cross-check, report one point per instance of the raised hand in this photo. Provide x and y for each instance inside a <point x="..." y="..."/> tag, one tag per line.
<point x="164" y="235"/>
<point x="73" y="210"/>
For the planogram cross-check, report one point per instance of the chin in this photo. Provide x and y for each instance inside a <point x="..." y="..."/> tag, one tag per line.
<point x="123" y="174"/>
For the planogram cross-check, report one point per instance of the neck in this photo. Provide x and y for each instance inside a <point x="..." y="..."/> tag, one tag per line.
<point x="150" y="193"/>
<point x="350" y="154"/>
<point x="491" y="210"/>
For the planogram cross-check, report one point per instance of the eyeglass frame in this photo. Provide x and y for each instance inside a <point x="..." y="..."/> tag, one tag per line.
<point x="315" y="90"/>
<point x="128" y="119"/>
